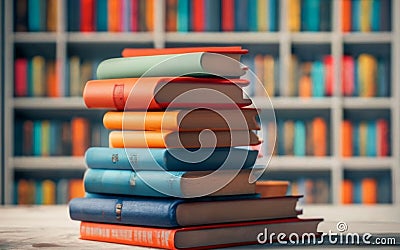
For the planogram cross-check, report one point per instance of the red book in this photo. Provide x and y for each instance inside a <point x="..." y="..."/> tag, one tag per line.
<point x="21" y="77"/>
<point x="134" y="15"/>
<point x="347" y="75"/>
<point x="199" y="237"/>
<point x="156" y="93"/>
<point x="198" y="15"/>
<point x="228" y="15"/>
<point x="382" y="133"/>
<point x="87" y="15"/>
<point x="328" y="62"/>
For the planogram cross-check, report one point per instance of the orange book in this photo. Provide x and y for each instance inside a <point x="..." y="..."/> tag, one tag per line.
<point x="347" y="192"/>
<point x="80" y="136"/>
<point x="196" y="139"/>
<point x="26" y="192"/>
<point x="51" y="15"/>
<point x="183" y="120"/>
<point x="347" y="139"/>
<point x="309" y="189"/>
<point x="170" y="22"/>
<point x="369" y="191"/>
<point x="305" y="86"/>
<point x="52" y="81"/>
<point x="150" y="15"/>
<point x="155" y="93"/>
<point x="346" y="15"/>
<point x="114" y="11"/>
<point x="229" y="50"/>
<point x="319" y="136"/>
<point x="76" y="188"/>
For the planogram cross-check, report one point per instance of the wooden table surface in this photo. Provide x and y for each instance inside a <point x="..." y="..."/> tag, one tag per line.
<point x="49" y="227"/>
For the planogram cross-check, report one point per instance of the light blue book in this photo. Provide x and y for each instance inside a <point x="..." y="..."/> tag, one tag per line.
<point x="36" y="15"/>
<point x="55" y="138"/>
<point x="165" y="184"/>
<point x="318" y="79"/>
<point x="38" y="192"/>
<point x="62" y="194"/>
<point x="299" y="138"/>
<point x="101" y="15"/>
<point x="241" y="15"/>
<point x="252" y="15"/>
<point x="357" y="191"/>
<point x="213" y="15"/>
<point x="37" y="138"/>
<point x="356" y="15"/>
<point x="183" y="16"/>
<point x="273" y="15"/>
<point x="356" y="139"/>
<point x="310" y="15"/>
<point x="375" y="15"/>
<point x="371" y="138"/>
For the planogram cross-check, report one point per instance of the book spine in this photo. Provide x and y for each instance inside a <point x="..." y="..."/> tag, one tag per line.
<point x="183" y="16"/>
<point x="212" y="15"/>
<point x="101" y="15"/>
<point x="130" y="235"/>
<point x="318" y="77"/>
<point x="347" y="191"/>
<point x="347" y="142"/>
<point x="252" y="15"/>
<point x="369" y="191"/>
<point x="346" y="15"/>
<point x="79" y="132"/>
<point x="170" y="22"/>
<point x="241" y="15"/>
<point x="228" y="15"/>
<point x="87" y="8"/>
<point x="198" y="15"/>
<point x="21" y="77"/>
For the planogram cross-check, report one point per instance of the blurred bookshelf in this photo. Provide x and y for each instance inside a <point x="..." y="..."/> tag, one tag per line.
<point x="65" y="45"/>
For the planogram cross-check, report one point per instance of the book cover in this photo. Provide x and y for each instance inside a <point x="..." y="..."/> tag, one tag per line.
<point x="87" y="15"/>
<point x="45" y="150"/>
<point x="101" y="15"/>
<point x="21" y="15"/>
<point x="269" y="75"/>
<point x="204" y="237"/>
<point x="371" y="139"/>
<point x="383" y="76"/>
<point x="38" y="191"/>
<point x="321" y="191"/>
<point x="74" y="11"/>
<point x="133" y="16"/>
<point x="259" y="71"/>
<point x="37" y="138"/>
<point x="310" y="15"/>
<point x="273" y="15"/>
<point x="36" y="15"/>
<point x="74" y="76"/>
<point x="231" y="51"/>
<point x="55" y="142"/>
<point x="53" y="88"/>
<point x="385" y="15"/>
<point x="356" y="138"/>
<point x="173" y="183"/>
<point x="299" y="138"/>
<point x="39" y="76"/>
<point x="49" y="192"/>
<point x="329" y="75"/>
<point x="156" y="93"/>
<point x="149" y="18"/>
<point x="365" y="17"/>
<point x="288" y="133"/>
<point x="169" y="159"/>
<point x="114" y="12"/>
<point x="325" y="8"/>
<point x="228" y="15"/>
<point x="281" y="137"/>
<point x="241" y="15"/>
<point x="363" y="138"/>
<point x="62" y="195"/>
<point x="367" y="75"/>
<point x="305" y="86"/>
<point x="375" y="15"/>
<point x="175" y="212"/>
<point x="382" y="139"/>
<point x="172" y="139"/>
<point x="183" y="16"/>
<point x="76" y="189"/>
<point x="347" y="191"/>
<point x="357" y="191"/>
<point x="356" y="15"/>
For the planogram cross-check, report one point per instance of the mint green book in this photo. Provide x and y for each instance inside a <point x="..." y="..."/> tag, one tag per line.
<point x="188" y="64"/>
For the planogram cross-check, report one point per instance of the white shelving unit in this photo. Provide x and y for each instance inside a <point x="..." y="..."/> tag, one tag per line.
<point x="336" y="105"/>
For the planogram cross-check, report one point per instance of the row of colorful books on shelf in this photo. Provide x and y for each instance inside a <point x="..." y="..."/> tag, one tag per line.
<point x="365" y="138"/>
<point x="367" y="190"/>
<point x="221" y="15"/>
<point x="47" y="191"/>
<point x="296" y="137"/>
<point x="309" y="15"/>
<point x="56" y="137"/>
<point x="366" y="15"/>
<point x="35" y="15"/>
<point x="315" y="190"/>
<point x="111" y="15"/>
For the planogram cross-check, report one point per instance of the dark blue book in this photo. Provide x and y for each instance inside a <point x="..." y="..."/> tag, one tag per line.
<point x="357" y="191"/>
<point x="241" y="15"/>
<point x="356" y="91"/>
<point x="169" y="159"/>
<point x="281" y="138"/>
<point x="170" y="212"/>
<point x="213" y="15"/>
<point x="383" y="76"/>
<point x="101" y="15"/>
<point x="73" y="15"/>
<point x="187" y="184"/>
<point x="356" y="139"/>
<point x="325" y="15"/>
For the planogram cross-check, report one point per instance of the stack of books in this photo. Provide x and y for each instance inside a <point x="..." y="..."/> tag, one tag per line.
<point x="176" y="173"/>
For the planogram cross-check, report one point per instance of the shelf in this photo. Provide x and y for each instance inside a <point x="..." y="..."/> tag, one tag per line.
<point x="293" y="163"/>
<point x="49" y="163"/>
<point x="293" y="103"/>
<point x="368" y="37"/>
<point x="105" y="37"/>
<point x="49" y="103"/>
<point x="367" y="103"/>
<point x="223" y="37"/>
<point x="361" y="163"/>
<point x="311" y="37"/>
<point x="35" y="37"/>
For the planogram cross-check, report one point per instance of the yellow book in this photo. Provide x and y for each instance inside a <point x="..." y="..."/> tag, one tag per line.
<point x="294" y="15"/>
<point x="45" y="138"/>
<point x="269" y="80"/>
<point x="49" y="192"/>
<point x="365" y="15"/>
<point x="367" y="75"/>
<point x="363" y="139"/>
<point x="38" y="76"/>
<point x="262" y="17"/>
<point x="52" y="15"/>
<point x="74" y="76"/>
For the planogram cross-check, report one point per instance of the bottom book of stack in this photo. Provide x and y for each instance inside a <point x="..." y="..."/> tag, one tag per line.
<point x="205" y="223"/>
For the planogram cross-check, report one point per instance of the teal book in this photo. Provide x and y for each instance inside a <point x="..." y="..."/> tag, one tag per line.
<point x="55" y="138"/>
<point x="183" y="16"/>
<point x="310" y="15"/>
<point x="62" y="194"/>
<point x="189" y="64"/>
<point x="252" y="10"/>
<point x="38" y="192"/>
<point x="356" y="15"/>
<point x="273" y="15"/>
<point x="384" y="189"/>
<point x="356" y="138"/>
<point x="357" y="191"/>
<point x="371" y="138"/>
<point x="36" y="15"/>
<point x="375" y="15"/>
<point x="172" y="159"/>
<point x="318" y="79"/>
<point x="383" y="75"/>
<point x="37" y="138"/>
<point x="163" y="184"/>
<point x="213" y="15"/>
<point x="241" y="15"/>
<point x="299" y="138"/>
<point x="356" y="91"/>
<point x="101" y="15"/>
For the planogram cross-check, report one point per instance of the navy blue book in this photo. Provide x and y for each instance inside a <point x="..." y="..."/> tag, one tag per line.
<point x="170" y="212"/>
<point x="169" y="159"/>
<point x="73" y="15"/>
